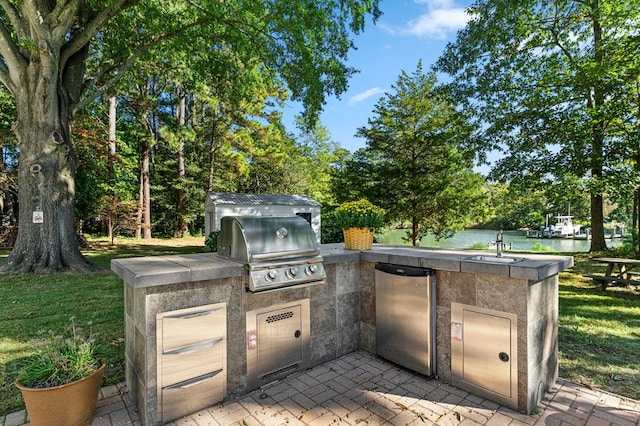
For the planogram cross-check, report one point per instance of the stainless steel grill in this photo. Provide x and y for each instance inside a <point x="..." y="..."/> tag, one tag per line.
<point x="277" y="251"/>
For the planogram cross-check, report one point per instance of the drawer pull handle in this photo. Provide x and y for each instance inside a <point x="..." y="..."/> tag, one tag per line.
<point x="193" y="348"/>
<point x="194" y="314"/>
<point x="195" y="381"/>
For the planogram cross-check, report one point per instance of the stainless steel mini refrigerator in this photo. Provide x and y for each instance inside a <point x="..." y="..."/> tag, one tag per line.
<point x="405" y="316"/>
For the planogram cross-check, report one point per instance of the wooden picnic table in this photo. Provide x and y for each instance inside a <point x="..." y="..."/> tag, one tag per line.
<point x="619" y="271"/>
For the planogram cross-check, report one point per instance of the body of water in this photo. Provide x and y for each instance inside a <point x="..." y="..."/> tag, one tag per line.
<point x="513" y="240"/>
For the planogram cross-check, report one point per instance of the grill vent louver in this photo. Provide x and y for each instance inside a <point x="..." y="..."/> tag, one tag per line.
<point x="276" y="374"/>
<point x="279" y="317"/>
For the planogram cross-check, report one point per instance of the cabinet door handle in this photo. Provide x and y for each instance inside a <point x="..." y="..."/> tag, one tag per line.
<point x="193" y="348"/>
<point x="194" y="314"/>
<point x="195" y="381"/>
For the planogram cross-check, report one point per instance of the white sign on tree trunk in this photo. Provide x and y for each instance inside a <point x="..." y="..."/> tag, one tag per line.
<point x="38" y="216"/>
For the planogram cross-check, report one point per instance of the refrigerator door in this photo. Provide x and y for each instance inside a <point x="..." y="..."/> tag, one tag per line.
<point x="405" y="316"/>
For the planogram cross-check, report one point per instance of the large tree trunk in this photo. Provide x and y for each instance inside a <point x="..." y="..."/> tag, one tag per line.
<point x="598" y="242"/>
<point x="597" y="154"/>
<point x="46" y="174"/>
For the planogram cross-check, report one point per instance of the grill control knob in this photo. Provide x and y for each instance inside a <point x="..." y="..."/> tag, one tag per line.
<point x="271" y="275"/>
<point x="311" y="269"/>
<point x="292" y="272"/>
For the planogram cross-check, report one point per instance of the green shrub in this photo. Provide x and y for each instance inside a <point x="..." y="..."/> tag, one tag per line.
<point x="478" y="246"/>
<point x="540" y="248"/>
<point x="212" y="240"/>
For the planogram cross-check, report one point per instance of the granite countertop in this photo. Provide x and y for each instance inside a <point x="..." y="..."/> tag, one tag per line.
<point x="161" y="270"/>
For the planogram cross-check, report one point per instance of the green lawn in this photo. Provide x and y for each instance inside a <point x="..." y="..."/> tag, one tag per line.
<point x="34" y="303"/>
<point x="599" y="333"/>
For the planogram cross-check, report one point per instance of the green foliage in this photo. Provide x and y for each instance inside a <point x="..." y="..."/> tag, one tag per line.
<point x="549" y="85"/>
<point x="359" y="214"/>
<point x="478" y="246"/>
<point x="529" y="204"/>
<point x="541" y="248"/>
<point x="625" y="249"/>
<point x="212" y="240"/>
<point x="314" y="159"/>
<point x="330" y="231"/>
<point x="416" y="165"/>
<point x="355" y="176"/>
<point x="60" y="358"/>
<point x="234" y="63"/>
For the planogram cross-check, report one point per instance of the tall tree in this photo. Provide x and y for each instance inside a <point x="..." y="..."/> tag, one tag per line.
<point x="318" y="155"/>
<point x="424" y="173"/>
<point x="44" y="48"/>
<point x="182" y="173"/>
<point x="540" y="78"/>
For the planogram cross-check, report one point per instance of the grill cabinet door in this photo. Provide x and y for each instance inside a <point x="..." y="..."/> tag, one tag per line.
<point x="280" y="342"/>
<point x="484" y="355"/>
<point x="485" y="338"/>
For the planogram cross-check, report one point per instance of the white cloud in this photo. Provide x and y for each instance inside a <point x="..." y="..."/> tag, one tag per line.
<point x="441" y="18"/>
<point x="364" y="95"/>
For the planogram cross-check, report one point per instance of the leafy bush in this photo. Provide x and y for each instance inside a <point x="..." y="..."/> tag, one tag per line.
<point x="625" y="249"/>
<point x="540" y="248"/>
<point x="331" y="234"/>
<point x="212" y="240"/>
<point x="477" y="245"/>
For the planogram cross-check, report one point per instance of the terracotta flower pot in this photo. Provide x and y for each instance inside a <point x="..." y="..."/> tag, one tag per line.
<point x="72" y="404"/>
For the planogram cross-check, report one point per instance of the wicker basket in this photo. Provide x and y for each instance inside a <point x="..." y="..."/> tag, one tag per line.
<point x="358" y="238"/>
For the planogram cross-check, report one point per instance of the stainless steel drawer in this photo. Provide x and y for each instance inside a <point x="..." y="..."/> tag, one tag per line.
<point x="187" y="326"/>
<point x="189" y="396"/>
<point x="192" y="361"/>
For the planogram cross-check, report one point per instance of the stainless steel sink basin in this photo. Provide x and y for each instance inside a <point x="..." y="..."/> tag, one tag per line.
<point x="494" y="259"/>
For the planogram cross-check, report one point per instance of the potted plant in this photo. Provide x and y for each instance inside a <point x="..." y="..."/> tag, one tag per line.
<point x="60" y="383"/>
<point x="359" y="220"/>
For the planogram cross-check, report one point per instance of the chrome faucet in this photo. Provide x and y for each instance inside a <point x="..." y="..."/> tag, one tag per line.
<point x="499" y="244"/>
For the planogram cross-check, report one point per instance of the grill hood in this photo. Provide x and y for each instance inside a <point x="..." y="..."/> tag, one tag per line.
<point x="254" y="239"/>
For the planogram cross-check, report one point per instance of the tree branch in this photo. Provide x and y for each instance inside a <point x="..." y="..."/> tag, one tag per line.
<point x="34" y="19"/>
<point x="122" y="69"/>
<point x="4" y="75"/>
<point x="79" y="40"/>
<point x="13" y="60"/>
<point x="14" y="18"/>
<point x="63" y="17"/>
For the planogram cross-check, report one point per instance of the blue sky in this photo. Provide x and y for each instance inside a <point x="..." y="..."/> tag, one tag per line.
<point x="408" y="31"/>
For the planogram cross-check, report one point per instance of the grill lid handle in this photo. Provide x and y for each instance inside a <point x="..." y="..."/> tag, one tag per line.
<point x="283" y="254"/>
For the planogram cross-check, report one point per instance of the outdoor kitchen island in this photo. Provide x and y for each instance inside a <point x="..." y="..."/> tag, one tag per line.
<point x="476" y="296"/>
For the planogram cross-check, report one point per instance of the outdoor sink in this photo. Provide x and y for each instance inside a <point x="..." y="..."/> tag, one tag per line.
<point x="494" y="259"/>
